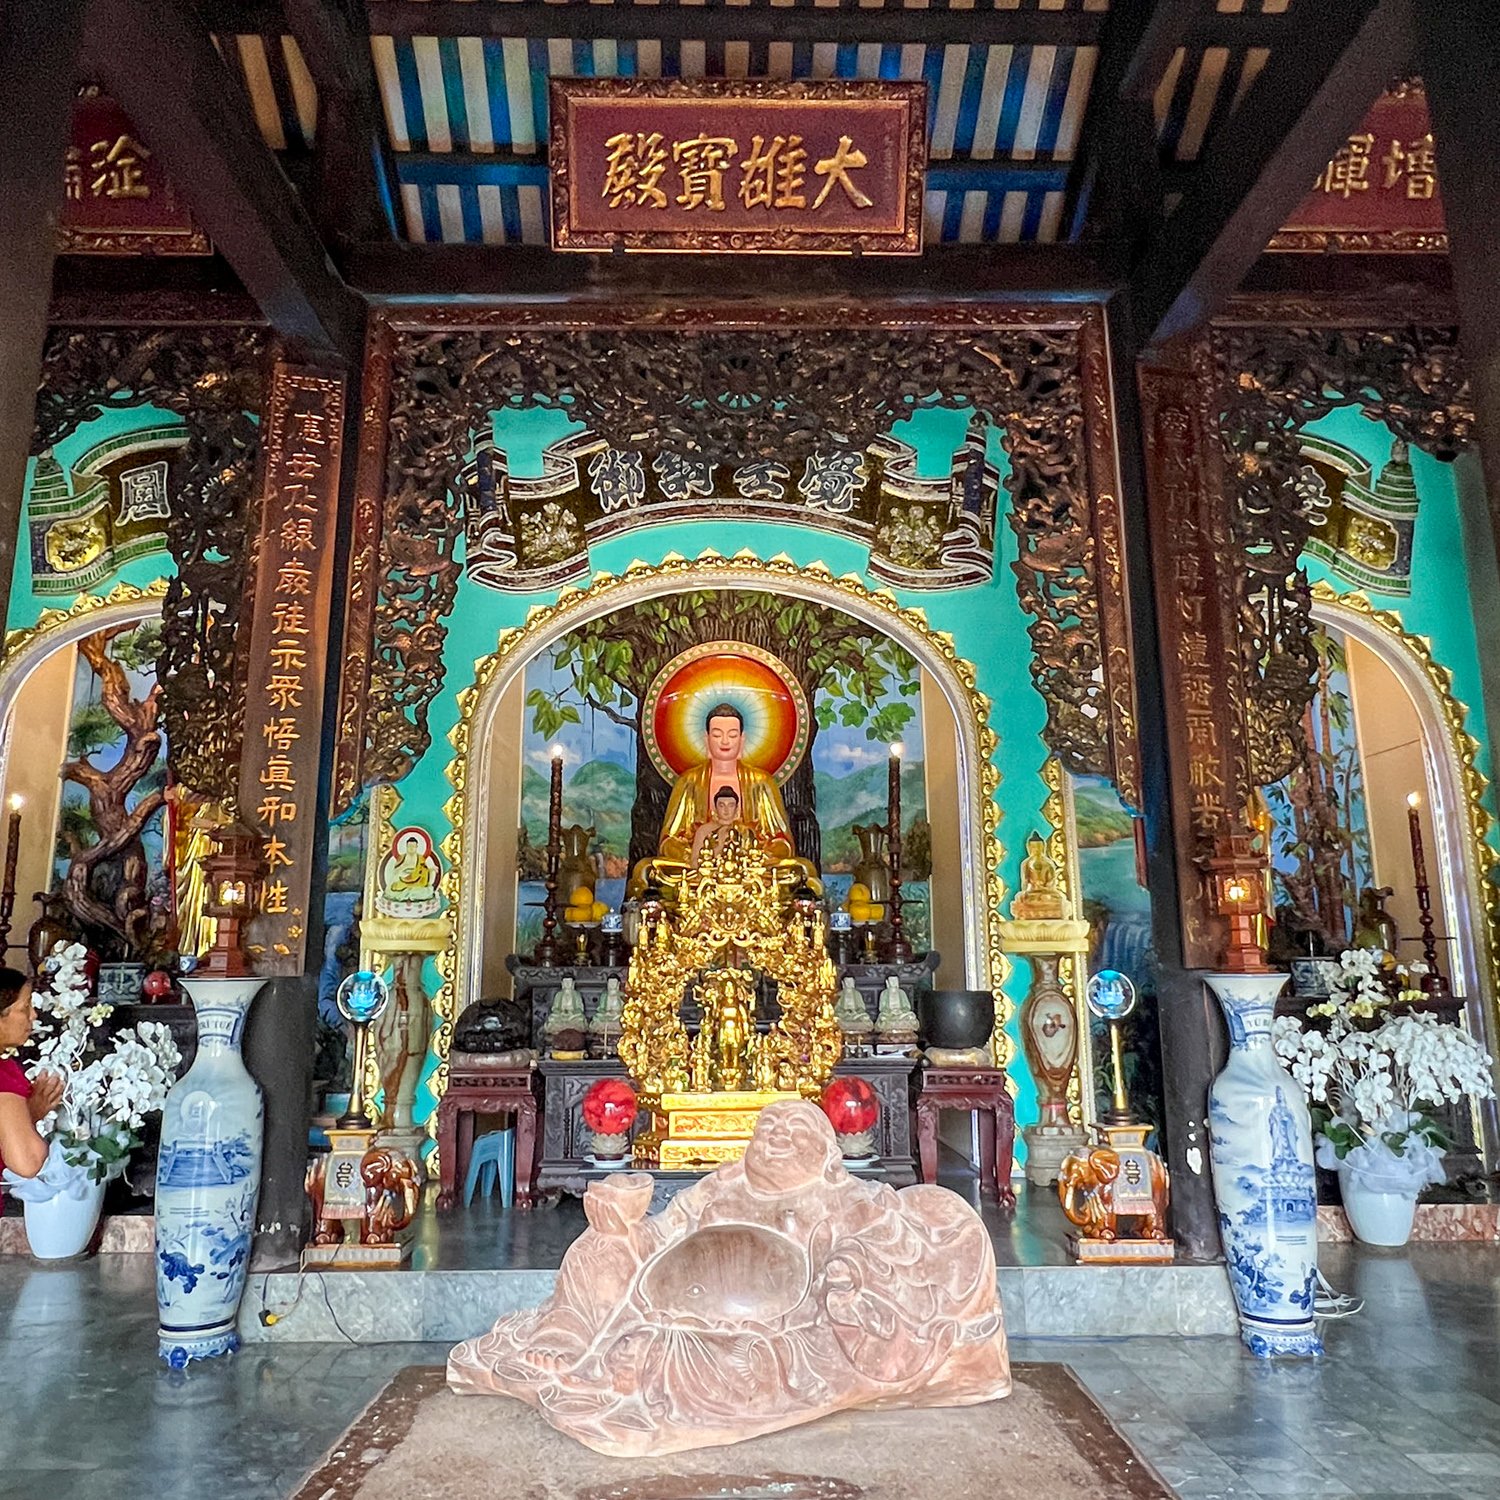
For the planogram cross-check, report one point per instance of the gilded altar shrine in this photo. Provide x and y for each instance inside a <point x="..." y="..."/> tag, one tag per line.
<point x="732" y="926"/>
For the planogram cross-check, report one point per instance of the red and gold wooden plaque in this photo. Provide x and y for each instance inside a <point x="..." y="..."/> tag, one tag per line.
<point x="1380" y="191"/>
<point x="833" y="167"/>
<point x="288" y="656"/>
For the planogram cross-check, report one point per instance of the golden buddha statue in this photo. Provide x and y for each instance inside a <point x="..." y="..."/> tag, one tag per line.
<point x="1041" y="897"/>
<point x="700" y="809"/>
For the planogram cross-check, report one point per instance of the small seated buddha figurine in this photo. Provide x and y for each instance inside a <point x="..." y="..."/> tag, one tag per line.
<point x="566" y="1027"/>
<point x="853" y="1016"/>
<point x="1041" y="897"/>
<point x="604" y="1028"/>
<point x="896" y="1021"/>
<point x="759" y="811"/>
<point x="719" y="828"/>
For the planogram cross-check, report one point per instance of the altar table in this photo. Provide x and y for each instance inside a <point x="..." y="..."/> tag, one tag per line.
<point x="565" y="1139"/>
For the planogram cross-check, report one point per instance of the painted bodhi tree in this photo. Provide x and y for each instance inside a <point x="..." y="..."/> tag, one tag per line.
<point x="115" y="749"/>
<point x="1321" y="842"/>
<point x="853" y="673"/>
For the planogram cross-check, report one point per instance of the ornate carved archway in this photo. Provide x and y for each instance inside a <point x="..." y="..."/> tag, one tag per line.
<point x="720" y="386"/>
<point x="985" y="966"/>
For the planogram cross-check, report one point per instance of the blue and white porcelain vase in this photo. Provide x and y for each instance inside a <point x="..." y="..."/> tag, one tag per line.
<point x="1264" y="1182"/>
<point x="207" y="1180"/>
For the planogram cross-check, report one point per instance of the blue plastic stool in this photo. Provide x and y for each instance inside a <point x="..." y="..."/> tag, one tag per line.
<point x="493" y="1155"/>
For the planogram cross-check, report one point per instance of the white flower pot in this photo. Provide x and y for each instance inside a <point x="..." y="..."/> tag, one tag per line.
<point x="62" y="1225"/>
<point x="1377" y="1218"/>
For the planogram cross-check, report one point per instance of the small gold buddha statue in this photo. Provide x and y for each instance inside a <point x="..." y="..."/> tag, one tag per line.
<point x="1041" y="897"/>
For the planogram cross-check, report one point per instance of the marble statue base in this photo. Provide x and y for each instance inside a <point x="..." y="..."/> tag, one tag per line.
<point x="1047" y="1147"/>
<point x="776" y="1291"/>
<point x="409" y="1143"/>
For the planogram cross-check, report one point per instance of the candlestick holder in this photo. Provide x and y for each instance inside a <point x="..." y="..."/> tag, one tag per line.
<point x="1433" y="983"/>
<point x="898" y="949"/>
<point x="548" y="951"/>
<point x="12" y="853"/>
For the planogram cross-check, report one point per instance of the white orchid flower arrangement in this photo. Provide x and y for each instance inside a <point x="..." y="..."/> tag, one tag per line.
<point x="111" y="1084"/>
<point x="1374" y="1092"/>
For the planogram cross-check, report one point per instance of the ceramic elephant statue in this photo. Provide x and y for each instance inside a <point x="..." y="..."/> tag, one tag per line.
<point x="1099" y="1200"/>
<point x="392" y="1191"/>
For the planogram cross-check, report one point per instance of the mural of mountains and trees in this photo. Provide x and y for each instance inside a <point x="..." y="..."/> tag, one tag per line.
<point x="585" y="696"/>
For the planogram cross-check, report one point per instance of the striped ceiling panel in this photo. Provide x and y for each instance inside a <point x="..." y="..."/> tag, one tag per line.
<point x="449" y="95"/>
<point x="467" y="116"/>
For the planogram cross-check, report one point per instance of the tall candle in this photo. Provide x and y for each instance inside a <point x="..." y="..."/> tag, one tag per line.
<point x="546" y="950"/>
<point x="1414" y="823"/>
<point x="12" y="853"/>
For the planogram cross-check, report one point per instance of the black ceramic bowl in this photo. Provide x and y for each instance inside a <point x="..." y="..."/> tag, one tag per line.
<point x="956" y="1018"/>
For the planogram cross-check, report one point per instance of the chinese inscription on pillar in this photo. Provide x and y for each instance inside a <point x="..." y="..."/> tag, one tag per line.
<point x="830" y="167"/>
<point x="288" y="647"/>
<point x="1202" y="684"/>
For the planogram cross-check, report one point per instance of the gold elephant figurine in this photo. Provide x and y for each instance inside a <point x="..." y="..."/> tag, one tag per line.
<point x="1087" y="1182"/>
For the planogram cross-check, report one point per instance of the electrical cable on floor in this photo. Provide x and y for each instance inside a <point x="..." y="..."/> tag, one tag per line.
<point x="1332" y="1304"/>
<point x="269" y="1318"/>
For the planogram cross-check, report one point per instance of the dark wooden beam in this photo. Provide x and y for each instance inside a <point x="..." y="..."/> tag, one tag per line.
<point x="1160" y="28"/>
<point x="522" y="273"/>
<point x="1261" y="162"/>
<point x="39" y="42"/>
<point x="745" y="23"/>
<point x="159" y="62"/>
<point x="1116" y="180"/>
<point x="356" y="187"/>
<point x="1459" y="55"/>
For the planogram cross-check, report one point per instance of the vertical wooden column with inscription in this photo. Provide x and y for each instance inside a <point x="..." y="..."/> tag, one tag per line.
<point x="1203" y="684"/>
<point x="288" y="656"/>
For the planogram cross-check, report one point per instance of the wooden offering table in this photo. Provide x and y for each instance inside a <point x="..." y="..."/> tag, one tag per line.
<point x="980" y="1091"/>
<point x="565" y="1166"/>
<point x="478" y="1086"/>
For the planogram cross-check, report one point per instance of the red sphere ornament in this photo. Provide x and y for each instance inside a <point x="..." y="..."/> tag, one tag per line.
<point x="609" y="1107"/>
<point x="157" y="985"/>
<point x="850" y="1105"/>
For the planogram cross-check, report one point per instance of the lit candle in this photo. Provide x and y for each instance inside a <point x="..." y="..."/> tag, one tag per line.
<point x="12" y="853"/>
<point x="546" y="950"/>
<point x="1414" y="822"/>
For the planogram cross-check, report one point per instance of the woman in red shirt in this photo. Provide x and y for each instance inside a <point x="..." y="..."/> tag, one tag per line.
<point x="22" y="1102"/>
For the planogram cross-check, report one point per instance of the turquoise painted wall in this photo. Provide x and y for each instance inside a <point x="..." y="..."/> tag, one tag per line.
<point x="1439" y="605"/>
<point x="986" y="623"/>
<point x="26" y="606"/>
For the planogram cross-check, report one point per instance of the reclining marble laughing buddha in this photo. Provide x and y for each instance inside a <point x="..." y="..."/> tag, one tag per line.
<point x="777" y="1290"/>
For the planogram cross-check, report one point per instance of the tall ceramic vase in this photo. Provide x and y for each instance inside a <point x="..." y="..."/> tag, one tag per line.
<point x="1263" y="1175"/>
<point x="207" y="1180"/>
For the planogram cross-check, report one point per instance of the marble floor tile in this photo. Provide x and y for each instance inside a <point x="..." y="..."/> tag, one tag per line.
<point x="1402" y="1408"/>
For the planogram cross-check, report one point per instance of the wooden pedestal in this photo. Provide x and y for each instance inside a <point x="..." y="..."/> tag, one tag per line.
<point x="477" y="1087"/>
<point x="980" y="1091"/>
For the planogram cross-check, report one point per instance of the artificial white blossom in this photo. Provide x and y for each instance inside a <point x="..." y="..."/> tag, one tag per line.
<point x="110" y="1085"/>
<point x="1374" y="1091"/>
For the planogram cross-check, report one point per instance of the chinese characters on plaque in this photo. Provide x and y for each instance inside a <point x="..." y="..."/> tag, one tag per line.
<point x="288" y="642"/>
<point x="1380" y="192"/>
<point x="829" y="167"/>
<point x="116" y="197"/>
